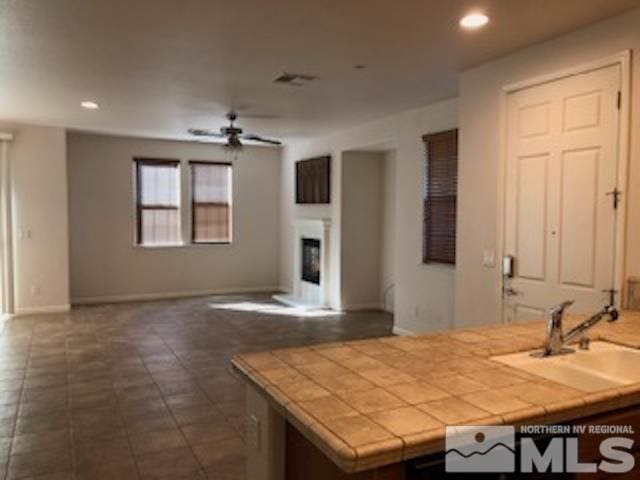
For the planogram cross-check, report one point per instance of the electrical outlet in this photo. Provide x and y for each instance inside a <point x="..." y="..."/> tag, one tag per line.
<point x="35" y="291"/>
<point x="253" y="432"/>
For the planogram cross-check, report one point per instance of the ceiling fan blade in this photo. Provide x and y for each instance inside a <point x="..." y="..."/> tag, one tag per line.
<point x="199" y="132"/>
<point x="256" y="138"/>
<point x="260" y="116"/>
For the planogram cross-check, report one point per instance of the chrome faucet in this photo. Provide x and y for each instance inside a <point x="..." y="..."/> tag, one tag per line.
<point x="556" y="339"/>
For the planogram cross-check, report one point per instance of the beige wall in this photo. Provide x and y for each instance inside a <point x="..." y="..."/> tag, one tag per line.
<point x="423" y="294"/>
<point x="37" y="156"/>
<point x="387" y="260"/>
<point x="478" y="288"/>
<point x="105" y="264"/>
<point x="361" y="227"/>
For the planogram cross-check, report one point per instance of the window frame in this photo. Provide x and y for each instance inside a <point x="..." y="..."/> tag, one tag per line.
<point x="142" y="161"/>
<point x="427" y="259"/>
<point x="193" y="202"/>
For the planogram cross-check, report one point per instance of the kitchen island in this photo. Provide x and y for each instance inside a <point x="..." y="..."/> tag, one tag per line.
<point x="363" y="409"/>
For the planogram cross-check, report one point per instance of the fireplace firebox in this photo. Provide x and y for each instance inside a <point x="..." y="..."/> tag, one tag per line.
<point x="311" y="260"/>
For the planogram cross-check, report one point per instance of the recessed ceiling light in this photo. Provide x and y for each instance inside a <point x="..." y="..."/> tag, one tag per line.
<point x="89" y="105"/>
<point x="474" y="20"/>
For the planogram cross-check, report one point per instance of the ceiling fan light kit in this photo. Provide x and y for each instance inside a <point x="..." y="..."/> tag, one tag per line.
<point x="233" y="134"/>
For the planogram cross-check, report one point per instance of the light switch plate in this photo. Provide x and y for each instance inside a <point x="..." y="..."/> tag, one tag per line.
<point x="489" y="258"/>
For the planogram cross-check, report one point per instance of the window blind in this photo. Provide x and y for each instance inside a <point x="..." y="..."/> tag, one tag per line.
<point x="211" y="190"/>
<point x="158" y="202"/>
<point x="440" y="197"/>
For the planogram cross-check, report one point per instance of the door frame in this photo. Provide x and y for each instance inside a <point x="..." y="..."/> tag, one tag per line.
<point x="6" y="229"/>
<point x="622" y="59"/>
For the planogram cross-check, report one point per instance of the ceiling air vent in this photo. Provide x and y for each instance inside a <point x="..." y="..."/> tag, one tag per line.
<point x="294" y="79"/>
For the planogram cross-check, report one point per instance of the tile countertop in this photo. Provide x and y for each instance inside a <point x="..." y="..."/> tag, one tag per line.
<point x="369" y="403"/>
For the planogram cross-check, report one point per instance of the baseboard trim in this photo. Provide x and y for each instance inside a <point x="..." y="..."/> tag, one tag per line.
<point x="362" y="307"/>
<point x="43" y="309"/>
<point x="402" y="332"/>
<point x="142" y="297"/>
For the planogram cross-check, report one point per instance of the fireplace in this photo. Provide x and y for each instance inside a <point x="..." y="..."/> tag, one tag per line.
<point x="311" y="265"/>
<point x="311" y="260"/>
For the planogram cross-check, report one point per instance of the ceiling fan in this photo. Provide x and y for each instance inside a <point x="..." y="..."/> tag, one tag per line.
<point x="233" y="134"/>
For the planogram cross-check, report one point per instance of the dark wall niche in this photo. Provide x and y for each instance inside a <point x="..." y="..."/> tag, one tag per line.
<point x="313" y="181"/>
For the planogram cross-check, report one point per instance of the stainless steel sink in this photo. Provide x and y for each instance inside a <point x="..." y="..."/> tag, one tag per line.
<point x="604" y="365"/>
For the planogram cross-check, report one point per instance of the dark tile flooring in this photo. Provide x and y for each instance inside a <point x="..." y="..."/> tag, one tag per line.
<point x="142" y="390"/>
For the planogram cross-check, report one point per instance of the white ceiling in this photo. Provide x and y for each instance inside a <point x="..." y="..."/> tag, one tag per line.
<point x="158" y="67"/>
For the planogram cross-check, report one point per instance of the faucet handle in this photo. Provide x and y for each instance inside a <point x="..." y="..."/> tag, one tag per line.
<point x="584" y="342"/>
<point x="613" y="313"/>
<point x="560" y="308"/>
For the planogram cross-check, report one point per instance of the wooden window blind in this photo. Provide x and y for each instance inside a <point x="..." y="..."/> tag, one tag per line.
<point x="158" y="201"/>
<point x="211" y="208"/>
<point x="440" y="197"/>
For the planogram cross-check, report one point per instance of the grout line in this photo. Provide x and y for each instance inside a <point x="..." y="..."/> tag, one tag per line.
<point x="102" y="344"/>
<point x="213" y="403"/>
<point x="68" y="415"/>
<point x="129" y="331"/>
<point x="121" y="417"/>
<point x="20" y="399"/>
<point x="162" y="396"/>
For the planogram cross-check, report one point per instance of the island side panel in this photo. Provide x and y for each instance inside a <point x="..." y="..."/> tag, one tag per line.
<point x="265" y="438"/>
<point x="304" y="461"/>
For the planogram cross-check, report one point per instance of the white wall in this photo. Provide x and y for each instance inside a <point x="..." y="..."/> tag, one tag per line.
<point x="39" y="208"/>
<point x="423" y="294"/>
<point x="477" y="288"/>
<point x="106" y="265"/>
<point x="361" y="226"/>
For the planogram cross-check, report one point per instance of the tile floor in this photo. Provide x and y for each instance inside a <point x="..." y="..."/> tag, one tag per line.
<point x="142" y="391"/>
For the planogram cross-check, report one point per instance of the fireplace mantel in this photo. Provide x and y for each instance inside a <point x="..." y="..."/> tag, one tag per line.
<point x="300" y="223"/>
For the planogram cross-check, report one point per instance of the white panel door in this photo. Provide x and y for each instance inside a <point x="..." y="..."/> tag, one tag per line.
<point x="562" y="150"/>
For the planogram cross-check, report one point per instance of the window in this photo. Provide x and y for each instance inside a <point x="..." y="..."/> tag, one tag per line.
<point x="211" y="185"/>
<point x="158" y="202"/>
<point x="440" y="197"/>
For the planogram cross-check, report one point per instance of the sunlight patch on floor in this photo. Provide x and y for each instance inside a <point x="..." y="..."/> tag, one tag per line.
<point x="274" y="309"/>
